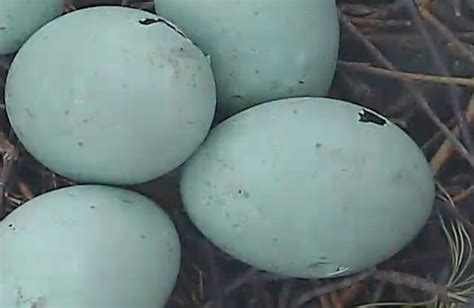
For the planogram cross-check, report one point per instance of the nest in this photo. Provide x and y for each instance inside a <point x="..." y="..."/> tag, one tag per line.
<point x="409" y="60"/>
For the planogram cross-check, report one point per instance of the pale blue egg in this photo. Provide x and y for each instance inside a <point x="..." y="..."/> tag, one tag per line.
<point x="308" y="187"/>
<point x="110" y="95"/>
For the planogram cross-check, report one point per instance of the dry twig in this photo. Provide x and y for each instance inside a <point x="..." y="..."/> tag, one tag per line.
<point x="330" y="287"/>
<point x="464" y="195"/>
<point x="446" y="149"/>
<point x="10" y="156"/>
<point x="380" y="58"/>
<point x="447" y="34"/>
<point x="367" y="68"/>
<point x="380" y="23"/>
<point x="441" y="65"/>
<point x="414" y="282"/>
<point x="69" y="6"/>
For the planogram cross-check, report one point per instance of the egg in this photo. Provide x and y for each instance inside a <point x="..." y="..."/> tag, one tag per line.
<point x="308" y="187"/>
<point x="261" y="50"/>
<point x="110" y="95"/>
<point x="19" y="19"/>
<point x="88" y="246"/>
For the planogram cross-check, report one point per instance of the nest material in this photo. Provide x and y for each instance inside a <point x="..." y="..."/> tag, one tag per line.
<point x="412" y="61"/>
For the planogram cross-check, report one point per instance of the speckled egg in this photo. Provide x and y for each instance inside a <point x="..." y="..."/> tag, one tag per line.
<point x="308" y="187"/>
<point x="88" y="246"/>
<point x="19" y="19"/>
<point x="262" y="50"/>
<point x="110" y="95"/>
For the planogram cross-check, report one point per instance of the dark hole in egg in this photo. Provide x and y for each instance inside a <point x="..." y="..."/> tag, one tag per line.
<point x="150" y="21"/>
<point x="366" y="116"/>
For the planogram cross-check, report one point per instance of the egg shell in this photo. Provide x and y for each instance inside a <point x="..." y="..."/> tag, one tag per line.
<point x="110" y="95"/>
<point x="261" y="50"/>
<point x="308" y="187"/>
<point x="88" y="246"/>
<point x="19" y="19"/>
